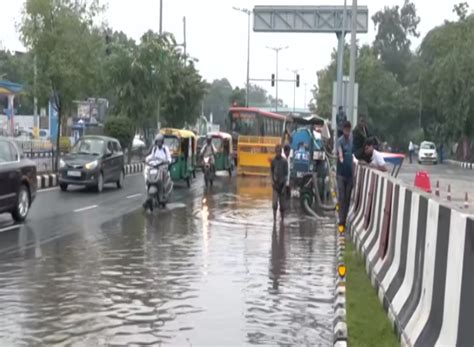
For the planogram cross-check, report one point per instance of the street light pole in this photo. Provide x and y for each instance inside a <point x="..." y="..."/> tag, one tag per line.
<point x="277" y="51"/>
<point x="159" y="97"/>
<point x="248" y="13"/>
<point x="352" y="63"/>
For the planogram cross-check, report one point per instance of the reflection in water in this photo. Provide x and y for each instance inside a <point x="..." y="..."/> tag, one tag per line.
<point x="161" y="278"/>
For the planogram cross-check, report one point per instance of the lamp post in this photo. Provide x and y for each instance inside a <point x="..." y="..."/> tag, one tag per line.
<point x="248" y="13"/>
<point x="277" y="51"/>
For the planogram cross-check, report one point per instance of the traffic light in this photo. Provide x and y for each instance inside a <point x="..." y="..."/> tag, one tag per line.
<point x="273" y="80"/>
<point x="297" y="80"/>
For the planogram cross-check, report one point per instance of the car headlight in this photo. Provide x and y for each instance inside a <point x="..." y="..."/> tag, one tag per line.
<point x="92" y="165"/>
<point x="62" y="164"/>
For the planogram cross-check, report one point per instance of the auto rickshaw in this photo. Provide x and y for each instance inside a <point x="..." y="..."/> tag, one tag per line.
<point x="182" y="145"/>
<point x="224" y="156"/>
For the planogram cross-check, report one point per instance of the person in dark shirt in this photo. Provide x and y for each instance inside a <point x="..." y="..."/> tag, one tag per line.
<point x="344" y="172"/>
<point x="279" y="172"/>
<point x="341" y="118"/>
<point x="359" y="136"/>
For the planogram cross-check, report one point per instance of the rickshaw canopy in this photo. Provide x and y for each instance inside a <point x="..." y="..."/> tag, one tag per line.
<point x="225" y="136"/>
<point x="181" y="133"/>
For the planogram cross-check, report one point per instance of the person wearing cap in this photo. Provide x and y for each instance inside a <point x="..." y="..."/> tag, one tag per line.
<point x="159" y="150"/>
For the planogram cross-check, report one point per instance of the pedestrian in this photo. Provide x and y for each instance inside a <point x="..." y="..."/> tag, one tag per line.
<point x="287" y="154"/>
<point x="359" y="135"/>
<point x="344" y="172"/>
<point x="376" y="158"/>
<point x="341" y="118"/>
<point x="279" y="172"/>
<point x="411" y="151"/>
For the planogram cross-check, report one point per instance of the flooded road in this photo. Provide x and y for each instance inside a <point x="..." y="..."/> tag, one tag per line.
<point x="211" y="270"/>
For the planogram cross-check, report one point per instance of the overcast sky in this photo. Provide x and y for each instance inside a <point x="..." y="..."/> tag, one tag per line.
<point x="217" y="35"/>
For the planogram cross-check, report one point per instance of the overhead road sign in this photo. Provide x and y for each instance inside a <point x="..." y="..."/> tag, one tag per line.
<point x="308" y="19"/>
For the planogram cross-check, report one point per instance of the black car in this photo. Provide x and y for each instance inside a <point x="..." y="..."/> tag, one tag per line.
<point x="18" y="182"/>
<point x="92" y="162"/>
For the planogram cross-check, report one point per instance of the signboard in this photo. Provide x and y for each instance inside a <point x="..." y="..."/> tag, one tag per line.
<point x="308" y="19"/>
<point x="53" y="121"/>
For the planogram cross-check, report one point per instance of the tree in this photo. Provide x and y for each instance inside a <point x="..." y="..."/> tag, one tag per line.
<point x="394" y="27"/>
<point x="218" y="99"/>
<point x="121" y="128"/>
<point x="60" y="34"/>
<point x="447" y="72"/>
<point x="238" y="97"/>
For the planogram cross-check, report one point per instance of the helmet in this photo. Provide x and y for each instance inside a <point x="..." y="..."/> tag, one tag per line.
<point x="159" y="138"/>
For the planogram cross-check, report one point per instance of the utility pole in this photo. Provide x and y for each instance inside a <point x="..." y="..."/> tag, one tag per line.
<point x="159" y="98"/>
<point x="295" y="73"/>
<point x="184" y="44"/>
<point x="277" y="51"/>
<point x="352" y="67"/>
<point x="249" y="14"/>
<point x="340" y="69"/>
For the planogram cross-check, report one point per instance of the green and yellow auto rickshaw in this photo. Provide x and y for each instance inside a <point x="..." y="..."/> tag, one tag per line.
<point x="182" y="145"/>
<point x="224" y="153"/>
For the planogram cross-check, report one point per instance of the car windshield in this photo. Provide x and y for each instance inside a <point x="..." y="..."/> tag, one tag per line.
<point x="89" y="146"/>
<point x="427" y="145"/>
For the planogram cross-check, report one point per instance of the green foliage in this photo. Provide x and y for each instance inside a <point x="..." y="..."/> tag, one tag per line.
<point x="447" y="72"/>
<point x="121" y="128"/>
<point x="238" y="97"/>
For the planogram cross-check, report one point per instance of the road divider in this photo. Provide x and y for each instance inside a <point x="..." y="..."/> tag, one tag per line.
<point x="51" y="180"/>
<point x="418" y="255"/>
<point x="463" y="164"/>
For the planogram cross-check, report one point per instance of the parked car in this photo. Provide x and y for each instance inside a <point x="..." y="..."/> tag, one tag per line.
<point x="18" y="182"/>
<point x="427" y="153"/>
<point x="93" y="162"/>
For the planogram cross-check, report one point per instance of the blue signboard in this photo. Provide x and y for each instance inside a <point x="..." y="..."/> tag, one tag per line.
<point x="53" y="121"/>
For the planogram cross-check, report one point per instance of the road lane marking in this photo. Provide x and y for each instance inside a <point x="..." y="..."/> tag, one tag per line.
<point x="85" y="208"/>
<point x="47" y="190"/>
<point x="134" y="196"/>
<point x="11" y="227"/>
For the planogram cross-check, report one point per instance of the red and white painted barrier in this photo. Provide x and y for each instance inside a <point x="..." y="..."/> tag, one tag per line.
<point x="418" y="254"/>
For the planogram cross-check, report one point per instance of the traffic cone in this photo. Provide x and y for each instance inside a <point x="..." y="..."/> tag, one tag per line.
<point x="437" y="189"/>
<point x="422" y="181"/>
<point x="449" y="192"/>
<point x="466" y="201"/>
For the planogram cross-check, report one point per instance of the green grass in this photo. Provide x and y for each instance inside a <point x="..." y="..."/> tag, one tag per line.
<point x="368" y="324"/>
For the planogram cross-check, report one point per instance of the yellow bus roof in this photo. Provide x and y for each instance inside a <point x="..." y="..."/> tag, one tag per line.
<point x="177" y="132"/>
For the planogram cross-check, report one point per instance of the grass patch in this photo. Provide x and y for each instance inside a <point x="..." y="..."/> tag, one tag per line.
<point x="367" y="322"/>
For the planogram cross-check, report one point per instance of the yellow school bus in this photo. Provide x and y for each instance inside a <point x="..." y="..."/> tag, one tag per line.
<point x="255" y="134"/>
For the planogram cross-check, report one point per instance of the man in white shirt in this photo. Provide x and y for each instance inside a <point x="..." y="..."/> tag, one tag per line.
<point x="411" y="150"/>
<point x="159" y="150"/>
<point x="376" y="158"/>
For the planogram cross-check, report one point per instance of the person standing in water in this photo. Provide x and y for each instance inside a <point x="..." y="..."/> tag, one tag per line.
<point x="279" y="172"/>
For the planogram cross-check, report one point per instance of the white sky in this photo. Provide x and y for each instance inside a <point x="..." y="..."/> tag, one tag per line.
<point x="217" y="35"/>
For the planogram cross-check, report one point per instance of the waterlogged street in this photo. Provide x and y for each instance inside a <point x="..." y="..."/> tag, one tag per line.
<point x="89" y="270"/>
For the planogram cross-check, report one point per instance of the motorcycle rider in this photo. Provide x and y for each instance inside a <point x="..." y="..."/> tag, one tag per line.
<point x="209" y="150"/>
<point x="159" y="152"/>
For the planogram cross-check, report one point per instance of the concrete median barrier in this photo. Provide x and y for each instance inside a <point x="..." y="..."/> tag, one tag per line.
<point x="463" y="164"/>
<point x="418" y="255"/>
<point x="51" y="180"/>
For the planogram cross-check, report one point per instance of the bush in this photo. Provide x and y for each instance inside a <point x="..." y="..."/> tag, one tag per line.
<point x="64" y="144"/>
<point x="120" y="128"/>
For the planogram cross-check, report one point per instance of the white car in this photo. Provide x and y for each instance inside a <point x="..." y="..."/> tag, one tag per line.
<point x="138" y="143"/>
<point x="427" y="153"/>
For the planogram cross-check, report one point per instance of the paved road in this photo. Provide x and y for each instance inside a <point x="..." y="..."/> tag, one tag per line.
<point x="93" y="269"/>
<point x="461" y="181"/>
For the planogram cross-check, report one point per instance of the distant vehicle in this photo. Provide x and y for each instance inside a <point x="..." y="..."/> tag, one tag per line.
<point x="18" y="181"/>
<point x="93" y="162"/>
<point x="138" y="143"/>
<point x="427" y="153"/>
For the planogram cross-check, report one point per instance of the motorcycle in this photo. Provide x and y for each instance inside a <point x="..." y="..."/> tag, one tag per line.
<point x="158" y="183"/>
<point x="208" y="170"/>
